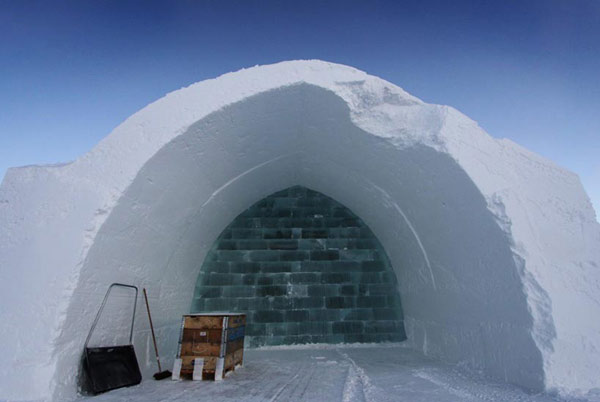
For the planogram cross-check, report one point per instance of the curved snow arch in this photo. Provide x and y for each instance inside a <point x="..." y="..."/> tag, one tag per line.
<point x="167" y="220"/>
<point x="414" y="172"/>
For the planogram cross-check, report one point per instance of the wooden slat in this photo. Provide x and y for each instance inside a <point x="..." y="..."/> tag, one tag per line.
<point x="201" y="335"/>
<point x="235" y="333"/>
<point x="203" y="322"/>
<point x="200" y="349"/>
<point x="237" y="321"/>
<point x="187" y="364"/>
<point x="229" y="363"/>
<point x="235" y="345"/>
<point x="238" y="356"/>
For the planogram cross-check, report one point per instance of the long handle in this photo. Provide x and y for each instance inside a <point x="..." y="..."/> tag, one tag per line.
<point x="152" y="329"/>
<point x="102" y="308"/>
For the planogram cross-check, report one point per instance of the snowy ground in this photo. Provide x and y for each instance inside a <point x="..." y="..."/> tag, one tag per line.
<point x="388" y="372"/>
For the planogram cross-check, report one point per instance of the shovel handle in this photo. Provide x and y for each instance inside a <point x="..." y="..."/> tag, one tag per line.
<point x="87" y="340"/>
<point x="152" y="330"/>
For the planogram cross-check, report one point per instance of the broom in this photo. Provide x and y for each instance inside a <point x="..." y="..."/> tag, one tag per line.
<point x="161" y="375"/>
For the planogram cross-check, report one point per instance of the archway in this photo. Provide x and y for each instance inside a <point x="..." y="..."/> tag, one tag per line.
<point x="304" y="269"/>
<point x="481" y="265"/>
<point x="461" y="293"/>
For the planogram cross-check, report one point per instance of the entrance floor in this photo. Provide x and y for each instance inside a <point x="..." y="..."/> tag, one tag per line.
<point x="355" y="372"/>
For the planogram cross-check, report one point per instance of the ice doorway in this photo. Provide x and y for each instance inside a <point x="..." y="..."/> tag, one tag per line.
<point x="304" y="269"/>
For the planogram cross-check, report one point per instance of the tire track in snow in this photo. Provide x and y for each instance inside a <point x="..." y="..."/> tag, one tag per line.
<point x="461" y="393"/>
<point x="357" y="378"/>
<point x="282" y="388"/>
<point x="307" y="381"/>
<point x="353" y="389"/>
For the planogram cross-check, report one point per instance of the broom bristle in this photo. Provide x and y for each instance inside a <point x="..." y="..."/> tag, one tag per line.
<point x="162" y="375"/>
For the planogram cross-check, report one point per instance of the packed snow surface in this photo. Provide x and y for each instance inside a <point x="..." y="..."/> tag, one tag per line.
<point x="346" y="373"/>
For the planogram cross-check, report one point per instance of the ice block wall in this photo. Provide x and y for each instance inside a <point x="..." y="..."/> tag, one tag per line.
<point x="304" y="269"/>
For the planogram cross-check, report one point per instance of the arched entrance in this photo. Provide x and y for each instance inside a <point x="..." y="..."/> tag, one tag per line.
<point x="304" y="269"/>
<point x="481" y="254"/>
<point x="462" y="297"/>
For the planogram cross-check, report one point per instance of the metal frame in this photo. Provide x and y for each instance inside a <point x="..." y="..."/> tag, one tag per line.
<point x="102" y="308"/>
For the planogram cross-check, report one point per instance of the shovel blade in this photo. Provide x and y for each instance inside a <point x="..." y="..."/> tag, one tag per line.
<point x="111" y="367"/>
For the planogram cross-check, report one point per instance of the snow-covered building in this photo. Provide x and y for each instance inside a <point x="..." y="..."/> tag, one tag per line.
<point x="496" y="250"/>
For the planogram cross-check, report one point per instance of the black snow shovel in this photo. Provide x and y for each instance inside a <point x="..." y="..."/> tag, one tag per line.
<point x="111" y="367"/>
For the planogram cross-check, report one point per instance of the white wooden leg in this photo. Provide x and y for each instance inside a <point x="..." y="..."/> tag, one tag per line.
<point x="176" y="370"/>
<point x="219" y="369"/>
<point x="198" y="367"/>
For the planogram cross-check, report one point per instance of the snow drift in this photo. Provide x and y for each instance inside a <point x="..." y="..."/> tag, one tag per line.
<point x="496" y="249"/>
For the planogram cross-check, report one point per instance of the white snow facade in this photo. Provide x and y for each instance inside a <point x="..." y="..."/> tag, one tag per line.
<point x="496" y="249"/>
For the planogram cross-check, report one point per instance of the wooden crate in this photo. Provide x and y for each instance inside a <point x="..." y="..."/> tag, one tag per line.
<point x="211" y="336"/>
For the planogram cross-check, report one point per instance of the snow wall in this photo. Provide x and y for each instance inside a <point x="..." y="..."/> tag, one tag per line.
<point x="496" y="250"/>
